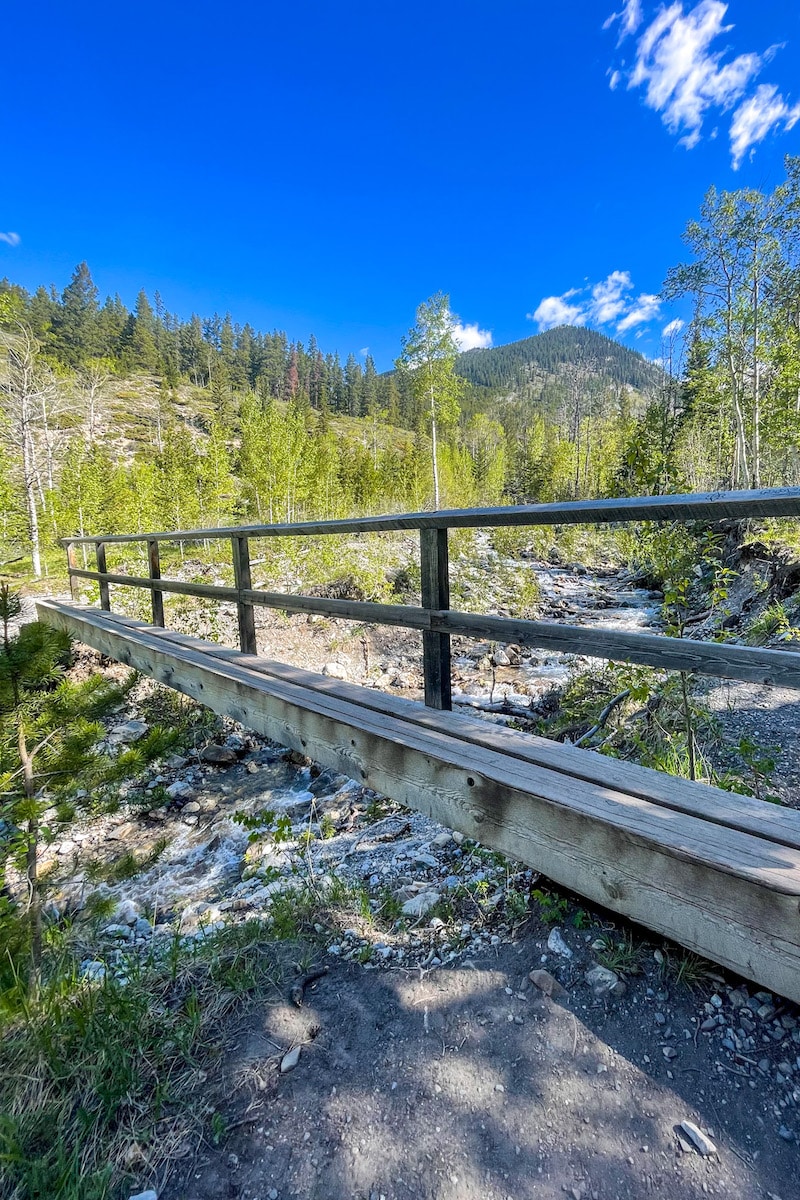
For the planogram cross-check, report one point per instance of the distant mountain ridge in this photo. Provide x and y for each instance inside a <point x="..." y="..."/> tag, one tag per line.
<point x="548" y="354"/>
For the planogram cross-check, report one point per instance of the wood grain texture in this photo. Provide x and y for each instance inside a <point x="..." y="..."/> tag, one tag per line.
<point x="724" y="893"/>
<point x="706" y="506"/>
<point x="435" y="580"/>
<point x="156" y="596"/>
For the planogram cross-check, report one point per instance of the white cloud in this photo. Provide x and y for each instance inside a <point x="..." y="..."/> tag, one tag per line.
<point x="684" y="78"/>
<point x="756" y="116"/>
<point x="674" y="327"/>
<point x="554" y="310"/>
<point x="608" y="297"/>
<point x="470" y="337"/>
<point x="630" y="18"/>
<point x="681" y="75"/>
<point x="611" y="302"/>
<point x="363" y="352"/>
<point x="13" y="239"/>
<point x="645" y="308"/>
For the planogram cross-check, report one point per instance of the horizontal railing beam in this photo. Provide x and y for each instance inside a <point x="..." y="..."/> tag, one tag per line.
<point x="708" y="506"/>
<point x="721" y="659"/>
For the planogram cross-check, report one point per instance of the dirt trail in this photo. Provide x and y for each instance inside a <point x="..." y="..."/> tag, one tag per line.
<point x="470" y="1084"/>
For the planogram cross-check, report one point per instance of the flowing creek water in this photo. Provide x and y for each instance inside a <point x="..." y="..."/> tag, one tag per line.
<point x="215" y="858"/>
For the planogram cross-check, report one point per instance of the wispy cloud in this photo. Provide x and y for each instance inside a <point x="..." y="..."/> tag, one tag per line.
<point x="630" y="18"/>
<point x="610" y="303"/>
<point x="685" y="78"/>
<point x="363" y="352"/>
<point x="757" y="116"/>
<point x="471" y="337"/>
<point x="672" y="328"/>
<point x="13" y="239"/>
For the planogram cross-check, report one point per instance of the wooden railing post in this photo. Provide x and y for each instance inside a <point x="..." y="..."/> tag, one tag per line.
<point x="435" y="595"/>
<point x="157" y="597"/>
<point x="71" y="564"/>
<point x="246" y="613"/>
<point x="105" y="595"/>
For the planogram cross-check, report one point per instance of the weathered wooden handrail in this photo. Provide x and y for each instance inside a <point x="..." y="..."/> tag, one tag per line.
<point x="435" y="619"/>
<point x="705" y="506"/>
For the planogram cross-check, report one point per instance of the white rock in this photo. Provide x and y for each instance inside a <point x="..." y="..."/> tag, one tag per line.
<point x="131" y="731"/>
<point x="335" y="670"/>
<point x="290" y="1059"/>
<point x="148" y="1195"/>
<point x="704" y="1144"/>
<point x="126" y="913"/>
<point x="179" y="789"/>
<point x="442" y="839"/>
<point x="556" y="943"/>
<point x="418" y="905"/>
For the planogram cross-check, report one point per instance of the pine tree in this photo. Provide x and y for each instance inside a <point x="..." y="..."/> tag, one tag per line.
<point x="74" y="323"/>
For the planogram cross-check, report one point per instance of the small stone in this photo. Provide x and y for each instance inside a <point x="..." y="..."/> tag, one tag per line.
<point x="669" y="1052"/>
<point x="556" y="943"/>
<point x="420" y="904"/>
<point x="442" y="839"/>
<point x="335" y="670"/>
<point x="192" y="807"/>
<point x="500" y="658"/>
<point x="126" y="913"/>
<point x="218" y="756"/>
<point x="142" y="927"/>
<point x="290" y="1059"/>
<point x="130" y="731"/>
<point x="118" y="932"/>
<point x="148" y="1195"/>
<point x="545" y="982"/>
<point x="699" y="1140"/>
<point x="93" y="971"/>
<point x="253" y="769"/>
<point x="786" y="1133"/>
<point x="604" y="982"/>
<point x="273" y="1194"/>
<point x="179" y="789"/>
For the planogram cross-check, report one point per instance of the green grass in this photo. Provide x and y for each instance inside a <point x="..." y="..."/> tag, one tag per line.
<point x="100" y="1085"/>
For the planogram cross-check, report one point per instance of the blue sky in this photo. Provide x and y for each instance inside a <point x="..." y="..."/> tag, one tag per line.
<point x="324" y="168"/>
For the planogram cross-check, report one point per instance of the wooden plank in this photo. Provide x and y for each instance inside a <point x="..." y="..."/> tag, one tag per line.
<point x="435" y="575"/>
<point x="156" y="596"/>
<point x="706" y="506"/>
<point x="745" y="813"/>
<point x="162" y="585"/>
<point x="781" y="825"/>
<point x="244" y="608"/>
<point x="722" y="659"/>
<point x="102" y="575"/>
<point x="735" y="900"/>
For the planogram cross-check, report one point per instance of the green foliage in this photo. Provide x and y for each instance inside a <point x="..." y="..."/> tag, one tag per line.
<point x="95" y="1076"/>
<point x="552" y="908"/>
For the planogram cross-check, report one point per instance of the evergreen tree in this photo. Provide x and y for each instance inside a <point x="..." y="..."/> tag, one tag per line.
<point x="74" y="322"/>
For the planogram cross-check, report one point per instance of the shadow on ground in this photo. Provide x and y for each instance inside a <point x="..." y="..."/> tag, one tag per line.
<point x="470" y="1084"/>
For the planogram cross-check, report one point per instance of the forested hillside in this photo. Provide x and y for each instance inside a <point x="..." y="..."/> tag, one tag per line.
<point x="115" y="420"/>
<point x="548" y="355"/>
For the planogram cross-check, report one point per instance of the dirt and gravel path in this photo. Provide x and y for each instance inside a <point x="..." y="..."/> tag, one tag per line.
<point x="471" y="1084"/>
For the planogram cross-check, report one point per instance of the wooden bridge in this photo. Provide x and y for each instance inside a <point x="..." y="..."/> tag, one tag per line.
<point x="717" y="872"/>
